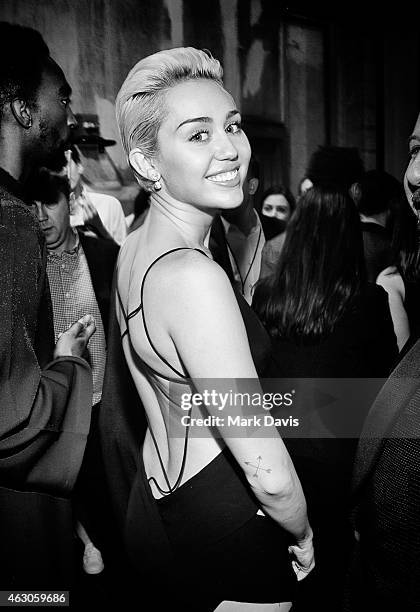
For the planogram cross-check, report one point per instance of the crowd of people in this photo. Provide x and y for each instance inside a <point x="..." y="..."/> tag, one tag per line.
<point x="105" y="336"/>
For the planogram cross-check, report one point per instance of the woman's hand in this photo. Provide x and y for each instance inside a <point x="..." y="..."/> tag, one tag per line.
<point x="303" y="557"/>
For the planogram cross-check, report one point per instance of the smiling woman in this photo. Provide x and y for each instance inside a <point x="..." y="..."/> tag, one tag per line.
<point x="181" y="326"/>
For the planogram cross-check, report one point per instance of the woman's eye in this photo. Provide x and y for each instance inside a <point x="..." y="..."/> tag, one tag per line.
<point x="200" y="136"/>
<point x="234" y="127"/>
<point x="65" y="101"/>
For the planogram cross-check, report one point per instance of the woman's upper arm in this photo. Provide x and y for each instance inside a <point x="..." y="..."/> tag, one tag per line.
<point x="211" y="340"/>
<point x="206" y="325"/>
<point x="393" y="284"/>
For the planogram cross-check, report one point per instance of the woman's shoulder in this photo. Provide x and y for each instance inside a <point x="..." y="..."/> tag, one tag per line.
<point x="187" y="270"/>
<point x="387" y="275"/>
<point x="184" y="261"/>
<point x="391" y="280"/>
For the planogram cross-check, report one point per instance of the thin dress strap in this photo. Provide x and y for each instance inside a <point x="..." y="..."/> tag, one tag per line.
<point x="140" y="308"/>
<point x="133" y="313"/>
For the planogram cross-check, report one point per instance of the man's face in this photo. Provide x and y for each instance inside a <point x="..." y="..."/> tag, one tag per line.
<point x="52" y="118"/>
<point x="412" y="174"/>
<point x="54" y="220"/>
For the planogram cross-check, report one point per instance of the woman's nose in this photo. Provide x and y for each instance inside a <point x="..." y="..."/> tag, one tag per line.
<point x="225" y="148"/>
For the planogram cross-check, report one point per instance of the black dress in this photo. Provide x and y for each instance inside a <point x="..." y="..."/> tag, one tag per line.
<point x="377" y="249"/>
<point x="362" y="345"/>
<point x="412" y="308"/>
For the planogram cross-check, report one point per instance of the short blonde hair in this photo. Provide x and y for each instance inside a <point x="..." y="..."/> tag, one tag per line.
<point x="140" y="103"/>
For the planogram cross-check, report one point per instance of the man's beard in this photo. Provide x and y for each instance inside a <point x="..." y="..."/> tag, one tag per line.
<point x="53" y="148"/>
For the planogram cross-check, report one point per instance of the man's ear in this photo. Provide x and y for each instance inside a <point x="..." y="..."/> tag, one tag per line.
<point x="253" y="186"/>
<point x="21" y="112"/>
<point x="143" y="165"/>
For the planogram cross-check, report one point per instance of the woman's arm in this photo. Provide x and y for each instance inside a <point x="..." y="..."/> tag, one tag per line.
<point x="393" y="284"/>
<point x="205" y="324"/>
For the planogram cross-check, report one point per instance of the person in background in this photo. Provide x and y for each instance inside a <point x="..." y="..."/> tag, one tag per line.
<point x="385" y="573"/>
<point x="326" y="322"/>
<point x="332" y="167"/>
<point x="335" y="168"/>
<point x="401" y="279"/>
<point x="45" y="391"/>
<point x="376" y="196"/>
<point x="237" y="239"/>
<point x="141" y="207"/>
<point x="80" y="270"/>
<point x="99" y="213"/>
<point x="278" y="205"/>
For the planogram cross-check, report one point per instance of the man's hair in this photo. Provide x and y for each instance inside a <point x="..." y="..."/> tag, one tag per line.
<point x="253" y="168"/>
<point x="377" y="191"/>
<point x="140" y="103"/>
<point x="47" y="186"/>
<point x="335" y="167"/>
<point x="320" y="270"/>
<point x="24" y="55"/>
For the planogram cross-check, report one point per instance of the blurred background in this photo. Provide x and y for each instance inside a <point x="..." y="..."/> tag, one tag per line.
<point x="331" y="74"/>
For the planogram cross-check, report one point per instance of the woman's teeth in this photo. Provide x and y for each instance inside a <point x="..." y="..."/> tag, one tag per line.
<point x="224" y="176"/>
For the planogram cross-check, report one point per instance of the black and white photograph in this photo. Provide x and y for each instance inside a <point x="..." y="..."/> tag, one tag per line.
<point x="209" y="305"/>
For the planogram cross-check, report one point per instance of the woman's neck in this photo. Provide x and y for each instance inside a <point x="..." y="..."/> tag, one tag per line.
<point x="193" y="223"/>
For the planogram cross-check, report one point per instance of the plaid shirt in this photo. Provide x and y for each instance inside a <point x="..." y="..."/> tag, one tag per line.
<point x="72" y="297"/>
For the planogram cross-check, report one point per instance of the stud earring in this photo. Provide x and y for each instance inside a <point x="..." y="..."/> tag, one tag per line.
<point x="155" y="177"/>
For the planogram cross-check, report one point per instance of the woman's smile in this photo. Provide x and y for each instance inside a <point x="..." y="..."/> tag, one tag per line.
<point x="230" y="178"/>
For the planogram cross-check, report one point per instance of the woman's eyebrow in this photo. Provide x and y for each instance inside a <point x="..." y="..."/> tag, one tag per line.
<point x="207" y="119"/>
<point x="196" y="120"/>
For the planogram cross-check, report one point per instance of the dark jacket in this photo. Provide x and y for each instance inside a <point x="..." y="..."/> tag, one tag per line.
<point x="386" y="497"/>
<point x="101" y="256"/>
<point x="44" y="410"/>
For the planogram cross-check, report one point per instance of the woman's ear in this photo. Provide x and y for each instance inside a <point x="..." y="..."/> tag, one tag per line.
<point x="141" y="164"/>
